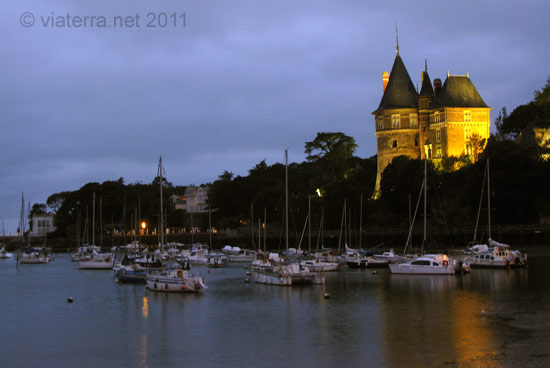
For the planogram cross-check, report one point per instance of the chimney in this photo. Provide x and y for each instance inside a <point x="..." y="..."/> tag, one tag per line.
<point x="385" y="80"/>
<point x="437" y="87"/>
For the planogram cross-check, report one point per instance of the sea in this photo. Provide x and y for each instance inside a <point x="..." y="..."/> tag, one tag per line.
<point x="360" y="318"/>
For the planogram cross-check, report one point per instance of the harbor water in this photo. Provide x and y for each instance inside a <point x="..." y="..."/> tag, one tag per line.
<point x="489" y="318"/>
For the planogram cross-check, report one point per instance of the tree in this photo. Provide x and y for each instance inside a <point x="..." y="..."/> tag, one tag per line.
<point x="525" y="117"/>
<point x="332" y="151"/>
<point x="476" y="144"/>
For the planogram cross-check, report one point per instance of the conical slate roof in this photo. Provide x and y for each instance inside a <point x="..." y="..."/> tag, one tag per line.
<point x="426" y="90"/>
<point x="458" y="91"/>
<point x="400" y="91"/>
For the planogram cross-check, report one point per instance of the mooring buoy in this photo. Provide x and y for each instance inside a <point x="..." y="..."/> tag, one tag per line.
<point x="70" y="299"/>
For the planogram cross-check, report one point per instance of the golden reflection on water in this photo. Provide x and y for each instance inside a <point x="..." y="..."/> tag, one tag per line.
<point x="145" y="307"/>
<point x="434" y="321"/>
<point x="473" y="340"/>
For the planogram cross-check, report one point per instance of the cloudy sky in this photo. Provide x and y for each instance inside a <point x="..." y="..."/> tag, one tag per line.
<point x="242" y="80"/>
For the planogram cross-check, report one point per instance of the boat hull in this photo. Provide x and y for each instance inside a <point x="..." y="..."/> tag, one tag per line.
<point x="407" y="269"/>
<point x="270" y="277"/>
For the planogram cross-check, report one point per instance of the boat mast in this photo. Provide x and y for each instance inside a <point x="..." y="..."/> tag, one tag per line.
<point x="265" y="230"/>
<point x="161" y="206"/>
<point x="286" y="198"/>
<point x="309" y="219"/>
<point x="425" y="200"/>
<point x="489" y="198"/>
<point x="360" y="219"/>
<point x="93" y="220"/>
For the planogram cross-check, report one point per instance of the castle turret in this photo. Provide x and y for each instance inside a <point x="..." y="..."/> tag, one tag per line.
<point x="396" y="119"/>
<point x="425" y="103"/>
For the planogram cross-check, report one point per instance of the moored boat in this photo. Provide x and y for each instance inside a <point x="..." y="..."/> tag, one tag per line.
<point x="175" y="279"/>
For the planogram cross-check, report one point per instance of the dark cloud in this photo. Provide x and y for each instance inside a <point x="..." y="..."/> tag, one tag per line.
<point x="242" y="81"/>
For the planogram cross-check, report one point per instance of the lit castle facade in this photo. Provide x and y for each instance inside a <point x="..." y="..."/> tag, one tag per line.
<point x="440" y="121"/>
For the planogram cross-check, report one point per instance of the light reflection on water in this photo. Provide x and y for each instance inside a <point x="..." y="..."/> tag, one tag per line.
<point x="369" y="320"/>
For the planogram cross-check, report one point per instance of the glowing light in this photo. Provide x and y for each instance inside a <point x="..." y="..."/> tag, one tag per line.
<point x="145" y="307"/>
<point x="318" y="191"/>
<point x="143" y="225"/>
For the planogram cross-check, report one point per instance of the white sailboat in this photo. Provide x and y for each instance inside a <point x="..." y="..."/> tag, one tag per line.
<point x="492" y="254"/>
<point x="3" y="253"/>
<point x="285" y="273"/>
<point x="429" y="264"/>
<point x="175" y="277"/>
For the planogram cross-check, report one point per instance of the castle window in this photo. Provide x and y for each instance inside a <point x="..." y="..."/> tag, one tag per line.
<point x="395" y="121"/>
<point x="394" y="145"/>
<point x="380" y="122"/>
<point x="436" y="117"/>
<point x="467" y="115"/>
<point x="438" y="152"/>
<point x="438" y="135"/>
<point x="414" y="120"/>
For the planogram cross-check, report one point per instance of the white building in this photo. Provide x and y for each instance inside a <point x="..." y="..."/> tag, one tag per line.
<point x="196" y="198"/>
<point x="41" y="225"/>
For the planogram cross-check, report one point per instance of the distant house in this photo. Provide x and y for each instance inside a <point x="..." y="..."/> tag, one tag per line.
<point x="196" y="198"/>
<point x="42" y="224"/>
<point x="179" y="202"/>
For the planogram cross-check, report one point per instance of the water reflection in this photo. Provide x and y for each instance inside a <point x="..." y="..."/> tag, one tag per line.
<point x="433" y="320"/>
<point x="145" y="307"/>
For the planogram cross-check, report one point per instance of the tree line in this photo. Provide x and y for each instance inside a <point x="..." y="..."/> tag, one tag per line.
<point x="332" y="175"/>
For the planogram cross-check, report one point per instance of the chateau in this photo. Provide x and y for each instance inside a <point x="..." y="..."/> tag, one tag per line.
<point x="439" y="121"/>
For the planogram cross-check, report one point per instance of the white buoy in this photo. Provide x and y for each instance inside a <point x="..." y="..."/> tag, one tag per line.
<point x="327" y="295"/>
<point x="374" y="272"/>
<point x="246" y="280"/>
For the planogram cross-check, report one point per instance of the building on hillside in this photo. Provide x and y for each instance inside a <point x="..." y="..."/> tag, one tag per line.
<point x="41" y="224"/>
<point x="196" y="199"/>
<point x="178" y="201"/>
<point x="439" y="121"/>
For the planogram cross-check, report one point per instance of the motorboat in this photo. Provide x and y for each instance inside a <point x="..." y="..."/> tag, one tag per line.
<point x="134" y="274"/>
<point x="216" y="260"/>
<point x="429" y="264"/>
<point x="317" y="265"/>
<point x="495" y="255"/>
<point x="99" y="262"/>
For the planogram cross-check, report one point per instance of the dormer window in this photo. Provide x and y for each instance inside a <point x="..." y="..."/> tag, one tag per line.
<point x="396" y="121"/>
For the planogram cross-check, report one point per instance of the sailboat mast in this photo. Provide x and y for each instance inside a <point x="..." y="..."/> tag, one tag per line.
<point x="489" y="198"/>
<point x="265" y="229"/>
<point x="309" y="219"/>
<point x="93" y="220"/>
<point x="425" y="199"/>
<point x="360" y="219"/>
<point x="161" y="206"/>
<point x="286" y="198"/>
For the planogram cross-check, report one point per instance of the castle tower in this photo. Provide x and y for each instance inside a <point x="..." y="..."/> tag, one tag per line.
<point x="396" y="119"/>
<point x="459" y="119"/>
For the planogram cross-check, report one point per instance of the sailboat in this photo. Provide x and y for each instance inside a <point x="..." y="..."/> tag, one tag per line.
<point x="175" y="277"/>
<point x="98" y="260"/>
<point x="492" y="254"/>
<point x="3" y="253"/>
<point x="287" y="272"/>
<point x="428" y="264"/>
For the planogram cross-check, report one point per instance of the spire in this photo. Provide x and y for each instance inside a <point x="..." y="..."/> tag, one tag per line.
<point x="396" y="39"/>
<point x="426" y="65"/>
